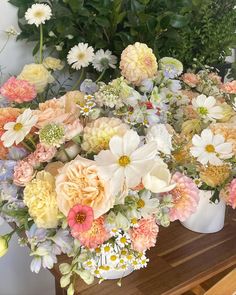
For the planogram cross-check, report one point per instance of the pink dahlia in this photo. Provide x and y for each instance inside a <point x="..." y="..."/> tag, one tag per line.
<point x="95" y="236"/>
<point x="144" y="236"/>
<point x="231" y="194"/>
<point x="185" y="197"/>
<point x="18" y="90"/>
<point x="80" y="218"/>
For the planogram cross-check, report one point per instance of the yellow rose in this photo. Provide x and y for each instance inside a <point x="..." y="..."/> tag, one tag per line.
<point x="53" y="63"/>
<point x="37" y="75"/>
<point x="3" y="246"/>
<point x="40" y="198"/>
<point x="78" y="183"/>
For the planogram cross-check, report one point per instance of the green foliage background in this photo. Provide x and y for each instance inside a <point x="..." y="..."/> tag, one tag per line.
<point x="185" y="29"/>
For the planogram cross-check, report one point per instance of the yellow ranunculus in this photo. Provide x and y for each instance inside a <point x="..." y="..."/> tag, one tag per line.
<point x="53" y="63"/>
<point x="40" y="198"/>
<point x="3" y="246"/>
<point x="37" y="75"/>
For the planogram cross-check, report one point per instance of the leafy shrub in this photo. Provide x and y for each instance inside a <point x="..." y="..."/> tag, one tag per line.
<point x="185" y="29"/>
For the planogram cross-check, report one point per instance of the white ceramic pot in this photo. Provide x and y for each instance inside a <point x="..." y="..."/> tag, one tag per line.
<point x="209" y="217"/>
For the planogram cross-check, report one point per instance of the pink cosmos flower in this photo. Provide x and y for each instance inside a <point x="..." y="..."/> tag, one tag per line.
<point x="144" y="236"/>
<point x="18" y="90"/>
<point x="80" y="218"/>
<point x="94" y="237"/>
<point x="44" y="153"/>
<point x="23" y="173"/>
<point x="190" y="79"/>
<point x="231" y="194"/>
<point x="185" y="197"/>
<point x="229" y="87"/>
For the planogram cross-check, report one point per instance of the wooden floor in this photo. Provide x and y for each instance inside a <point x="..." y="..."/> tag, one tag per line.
<point x="181" y="260"/>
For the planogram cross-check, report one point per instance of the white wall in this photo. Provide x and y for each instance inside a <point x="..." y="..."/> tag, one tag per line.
<point x="15" y="275"/>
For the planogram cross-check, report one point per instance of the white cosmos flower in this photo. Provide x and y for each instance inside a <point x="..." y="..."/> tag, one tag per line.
<point x="210" y="148"/>
<point x="80" y="56"/>
<point x="125" y="163"/>
<point x="207" y="108"/>
<point x="103" y="60"/>
<point x="161" y="136"/>
<point x="147" y="205"/>
<point x="37" y="14"/>
<point x="16" y="131"/>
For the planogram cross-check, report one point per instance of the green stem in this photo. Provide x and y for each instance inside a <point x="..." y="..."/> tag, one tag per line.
<point x="27" y="146"/>
<point x="215" y="197"/>
<point x="66" y="154"/>
<point x="79" y="80"/>
<point x="100" y="77"/>
<point x="30" y="139"/>
<point x="41" y="45"/>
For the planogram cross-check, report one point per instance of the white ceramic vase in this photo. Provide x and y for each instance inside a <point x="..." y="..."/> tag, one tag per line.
<point x="209" y="217"/>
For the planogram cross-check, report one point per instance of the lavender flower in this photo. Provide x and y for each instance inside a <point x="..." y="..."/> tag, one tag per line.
<point x="63" y="240"/>
<point x="16" y="153"/>
<point x="36" y="235"/>
<point x="6" y="169"/>
<point x="8" y="191"/>
<point x="88" y="86"/>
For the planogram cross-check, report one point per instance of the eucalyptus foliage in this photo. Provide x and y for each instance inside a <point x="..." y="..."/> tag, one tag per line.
<point x="185" y="29"/>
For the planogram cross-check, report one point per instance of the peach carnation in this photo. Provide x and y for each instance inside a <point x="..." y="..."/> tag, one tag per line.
<point x="78" y="183"/>
<point x="18" y="90"/>
<point x="185" y="197"/>
<point x="74" y="129"/>
<point x="191" y="79"/>
<point x="95" y="236"/>
<point x="144" y="236"/>
<point x="229" y="87"/>
<point x="44" y="153"/>
<point x="23" y="173"/>
<point x="138" y="63"/>
<point x="231" y="194"/>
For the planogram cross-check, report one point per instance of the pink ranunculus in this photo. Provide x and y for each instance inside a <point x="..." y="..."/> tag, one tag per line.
<point x="44" y="153"/>
<point x="185" y="197"/>
<point x="80" y="218"/>
<point x="144" y="236"/>
<point x="229" y="87"/>
<point x="18" y="90"/>
<point x="190" y="79"/>
<point x="23" y="173"/>
<point x="95" y="236"/>
<point x="231" y="194"/>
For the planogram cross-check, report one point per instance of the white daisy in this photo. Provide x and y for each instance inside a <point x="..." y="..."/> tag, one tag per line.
<point x="161" y="136"/>
<point x="207" y="108"/>
<point x="90" y="264"/>
<point x="113" y="258"/>
<point x="103" y="60"/>
<point x="107" y="248"/>
<point x="80" y="56"/>
<point x="16" y="131"/>
<point x="147" y="205"/>
<point x="123" y="240"/>
<point x="125" y="163"/>
<point x="210" y="148"/>
<point x="37" y="14"/>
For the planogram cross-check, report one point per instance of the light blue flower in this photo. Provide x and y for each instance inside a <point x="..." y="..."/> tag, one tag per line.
<point x="88" y="86"/>
<point x="63" y="240"/>
<point x="6" y="169"/>
<point x="174" y="85"/>
<point x="16" y="153"/>
<point x="36" y="235"/>
<point x="8" y="191"/>
<point x="146" y="86"/>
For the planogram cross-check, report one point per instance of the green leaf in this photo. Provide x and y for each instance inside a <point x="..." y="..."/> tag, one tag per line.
<point x="179" y="21"/>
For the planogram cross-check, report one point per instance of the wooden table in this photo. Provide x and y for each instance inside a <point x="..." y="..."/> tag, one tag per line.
<point x="180" y="261"/>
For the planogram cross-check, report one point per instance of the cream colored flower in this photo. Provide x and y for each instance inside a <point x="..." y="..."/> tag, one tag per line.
<point x="158" y="180"/>
<point x="98" y="133"/>
<point x="40" y="198"/>
<point x="37" y="75"/>
<point x="80" y="56"/>
<point x="78" y="183"/>
<point x="53" y="63"/>
<point x="37" y="14"/>
<point x="138" y="63"/>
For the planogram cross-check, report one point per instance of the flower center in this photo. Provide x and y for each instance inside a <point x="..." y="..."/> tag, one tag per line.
<point x="210" y="148"/>
<point x="123" y="240"/>
<point x="80" y="217"/>
<point x="18" y="127"/>
<point x="202" y="111"/>
<point x="148" y="61"/>
<point x="38" y="14"/>
<point x="124" y="161"/>
<point x="81" y="55"/>
<point x="140" y="203"/>
<point x="113" y="257"/>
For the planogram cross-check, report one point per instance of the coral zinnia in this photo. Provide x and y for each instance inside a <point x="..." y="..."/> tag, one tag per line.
<point x="80" y="218"/>
<point x="138" y="63"/>
<point x="185" y="197"/>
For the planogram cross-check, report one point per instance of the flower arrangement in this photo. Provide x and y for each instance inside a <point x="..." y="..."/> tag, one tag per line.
<point x="94" y="173"/>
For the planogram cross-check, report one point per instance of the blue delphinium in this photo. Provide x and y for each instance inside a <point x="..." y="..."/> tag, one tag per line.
<point x="6" y="169"/>
<point x="88" y="86"/>
<point x="16" y="153"/>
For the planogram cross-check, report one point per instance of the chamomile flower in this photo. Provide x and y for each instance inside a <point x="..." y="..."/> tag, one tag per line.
<point x="80" y="56"/>
<point x="104" y="60"/>
<point x="123" y="267"/>
<point x="17" y="131"/>
<point x="207" y="108"/>
<point x="90" y="263"/>
<point x="143" y="261"/>
<point x="113" y="258"/>
<point x="147" y="205"/>
<point x="198" y="182"/>
<point x="123" y="240"/>
<point x="210" y="148"/>
<point x="124" y="253"/>
<point x="97" y="273"/>
<point x="37" y="14"/>
<point x="106" y="248"/>
<point x="136" y="264"/>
